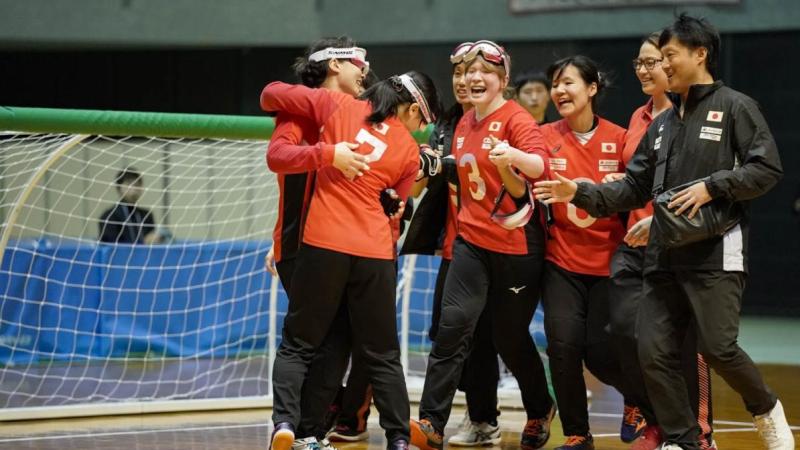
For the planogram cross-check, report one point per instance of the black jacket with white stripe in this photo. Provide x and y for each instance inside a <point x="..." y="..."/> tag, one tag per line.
<point x="722" y="137"/>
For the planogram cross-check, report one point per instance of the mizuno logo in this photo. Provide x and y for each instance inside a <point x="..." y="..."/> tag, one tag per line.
<point x="516" y="289"/>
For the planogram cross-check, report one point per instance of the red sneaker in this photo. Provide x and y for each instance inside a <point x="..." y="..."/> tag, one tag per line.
<point x="651" y="439"/>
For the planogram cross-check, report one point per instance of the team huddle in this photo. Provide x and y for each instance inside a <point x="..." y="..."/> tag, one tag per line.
<point x="519" y="211"/>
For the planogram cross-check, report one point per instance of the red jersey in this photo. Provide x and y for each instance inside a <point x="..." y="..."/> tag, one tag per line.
<point x="640" y="120"/>
<point x="479" y="180"/>
<point x="347" y="216"/>
<point x="295" y="178"/>
<point x="579" y="242"/>
<point x="450" y="227"/>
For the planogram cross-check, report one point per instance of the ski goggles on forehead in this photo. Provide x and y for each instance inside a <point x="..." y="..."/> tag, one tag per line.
<point x="518" y="218"/>
<point x="416" y="94"/>
<point x="457" y="56"/>
<point x="490" y="51"/>
<point x="356" y="55"/>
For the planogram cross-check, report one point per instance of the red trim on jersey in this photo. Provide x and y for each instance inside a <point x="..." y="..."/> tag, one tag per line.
<point x="480" y="181"/>
<point x="346" y="216"/>
<point x="579" y="242"/>
<point x="640" y="120"/>
<point x="285" y="155"/>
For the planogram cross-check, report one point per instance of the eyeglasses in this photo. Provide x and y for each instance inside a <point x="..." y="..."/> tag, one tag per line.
<point x="490" y="51"/>
<point x="648" y="63"/>
<point x="356" y="55"/>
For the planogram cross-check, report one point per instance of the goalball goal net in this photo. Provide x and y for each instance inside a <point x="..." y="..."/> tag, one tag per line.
<point x="190" y="322"/>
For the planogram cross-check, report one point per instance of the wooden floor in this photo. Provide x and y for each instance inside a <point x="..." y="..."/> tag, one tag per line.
<point x="248" y="430"/>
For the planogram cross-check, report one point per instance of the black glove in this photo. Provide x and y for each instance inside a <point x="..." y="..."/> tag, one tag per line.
<point x="390" y="202"/>
<point x="429" y="164"/>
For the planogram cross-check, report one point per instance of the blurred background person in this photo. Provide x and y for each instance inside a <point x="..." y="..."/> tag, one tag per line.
<point x="532" y="92"/>
<point x="125" y="222"/>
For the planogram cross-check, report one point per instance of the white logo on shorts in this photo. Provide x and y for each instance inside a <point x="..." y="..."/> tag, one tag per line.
<point x="517" y="289"/>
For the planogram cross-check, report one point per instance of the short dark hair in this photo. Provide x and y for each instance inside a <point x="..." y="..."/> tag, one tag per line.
<point x="313" y="74"/>
<point x="386" y="95"/>
<point x="588" y="71"/>
<point x="694" y="32"/>
<point x="128" y="175"/>
<point x="531" y="76"/>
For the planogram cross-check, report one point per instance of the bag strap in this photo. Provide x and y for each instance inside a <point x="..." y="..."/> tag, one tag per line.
<point x="498" y="200"/>
<point x="663" y="154"/>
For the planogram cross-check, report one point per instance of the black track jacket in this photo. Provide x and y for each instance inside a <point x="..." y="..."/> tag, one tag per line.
<point x="722" y="137"/>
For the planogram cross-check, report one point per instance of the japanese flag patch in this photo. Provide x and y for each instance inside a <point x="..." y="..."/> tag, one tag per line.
<point x="495" y="126"/>
<point x="714" y="116"/>
<point x="608" y="147"/>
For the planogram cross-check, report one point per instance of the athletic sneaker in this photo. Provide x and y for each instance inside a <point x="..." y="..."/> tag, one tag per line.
<point x="344" y="433"/>
<point x="650" y="439"/>
<point x="424" y="436"/>
<point x="671" y="447"/>
<point x="475" y="434"/>
<point x="578" y="443"/>
<point x="309" y="443"/>
<point x="774" y="430"/>
<point x="633" y="424"/>
<point x="325" y="444"/>
<point x="282" y="436"/>
<point x="537" y="431"/>
<point x="400" y="444"/>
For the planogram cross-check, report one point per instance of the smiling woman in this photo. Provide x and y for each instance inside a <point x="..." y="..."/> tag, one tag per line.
<point x="497" y="145"/>
<point x="576" y="273"/>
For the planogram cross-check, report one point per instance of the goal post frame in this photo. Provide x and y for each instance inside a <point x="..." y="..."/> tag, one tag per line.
<point x="79" y="124"/>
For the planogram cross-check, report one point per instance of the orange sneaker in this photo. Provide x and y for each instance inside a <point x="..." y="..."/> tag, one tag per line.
<point x="537" y="431"/>
<point x="424" y="436"/>
<point x="578" y="443"/>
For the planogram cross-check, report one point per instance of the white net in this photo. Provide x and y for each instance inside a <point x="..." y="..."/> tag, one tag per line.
<point x="82" y="321"/>
<point x="192" y="317"/>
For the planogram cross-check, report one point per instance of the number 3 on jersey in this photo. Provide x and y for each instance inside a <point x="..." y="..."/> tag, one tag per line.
<point x="474" y="176"/>
<point x="365" y="137"/>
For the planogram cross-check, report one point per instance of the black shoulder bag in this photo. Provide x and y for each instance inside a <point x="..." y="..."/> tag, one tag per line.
<point x="713" y="219"/>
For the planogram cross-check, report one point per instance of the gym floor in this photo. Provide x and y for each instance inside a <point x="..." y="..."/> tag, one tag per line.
<point x="249" y="429"/>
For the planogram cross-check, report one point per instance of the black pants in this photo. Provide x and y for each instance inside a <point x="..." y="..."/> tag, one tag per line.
<point x="327" y="366"/>
<point x="481" y="371"/>
<point x="356" y="397"/>
<point x="321" y="280"/>
<point x="508" y="285"/>
<point x="576" y="317"/>
<point x="713" y="300"/>
<point x="627" y="268"/>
